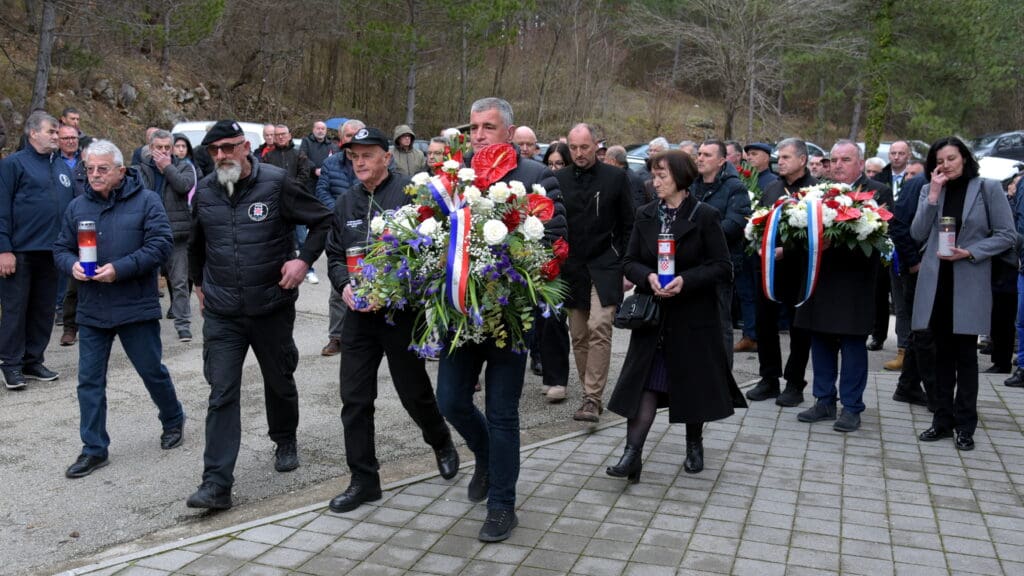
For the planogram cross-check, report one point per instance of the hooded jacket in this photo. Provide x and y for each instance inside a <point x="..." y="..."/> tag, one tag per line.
<point x="35" y="189"/>
<point x="407" y="162"/>
<point x="727" y="194"/>
<point x="134" y="235"/>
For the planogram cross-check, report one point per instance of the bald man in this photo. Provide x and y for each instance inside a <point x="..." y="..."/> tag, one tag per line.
<point x="526" y="140"/>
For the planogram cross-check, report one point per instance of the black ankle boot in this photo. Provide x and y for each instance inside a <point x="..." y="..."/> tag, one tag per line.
<point x="694" y="456"/>
<point x="629" y="465"/>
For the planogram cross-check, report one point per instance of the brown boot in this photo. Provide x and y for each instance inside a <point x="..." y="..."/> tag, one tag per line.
<point x="745" y="345"/>
<point x="590" y="411"/>
<point x="333" y="347"/>
<point x="896" y="364"/>
<point x="69" y="337"/>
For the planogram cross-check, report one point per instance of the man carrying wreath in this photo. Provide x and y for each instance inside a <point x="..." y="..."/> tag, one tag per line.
<point x="366" y="336"/>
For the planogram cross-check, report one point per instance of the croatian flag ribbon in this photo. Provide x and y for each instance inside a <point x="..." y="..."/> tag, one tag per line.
<point x="815" y="239"/>
<point x="457" y="273"/>
<point x="441" y="189"/>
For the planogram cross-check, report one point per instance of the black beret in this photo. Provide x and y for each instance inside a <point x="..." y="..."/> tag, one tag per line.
<point x="221" y="130"/>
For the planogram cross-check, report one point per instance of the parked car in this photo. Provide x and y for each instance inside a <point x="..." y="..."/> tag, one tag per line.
<point x="195" y="131"/>
<point x="1004" y="145"/>
<point x="1002" y="169"/>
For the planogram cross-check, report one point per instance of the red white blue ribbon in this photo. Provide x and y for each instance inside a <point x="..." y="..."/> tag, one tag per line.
<point x="457" y="273"/>
<point x="815" y="239"/>
<point x="441" y="189"/>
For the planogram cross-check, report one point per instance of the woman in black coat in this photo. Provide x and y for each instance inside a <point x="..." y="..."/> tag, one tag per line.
<point x="676" y="364"/>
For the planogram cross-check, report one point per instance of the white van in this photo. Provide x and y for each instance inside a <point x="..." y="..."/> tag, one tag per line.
<point x="196" y="131"/>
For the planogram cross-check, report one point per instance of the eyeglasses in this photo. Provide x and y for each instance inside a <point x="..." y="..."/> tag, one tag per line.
<point x="227" y="147"/>
<point x="556" y="164"/>
<point x="101" y="170"/>
<point x="69" y="138"/>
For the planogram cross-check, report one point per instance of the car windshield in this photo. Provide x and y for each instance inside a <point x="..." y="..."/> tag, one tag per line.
<point x="983" y="141"/>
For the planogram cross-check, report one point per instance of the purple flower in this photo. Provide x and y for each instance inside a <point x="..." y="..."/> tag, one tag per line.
<point x="475" y="317"/>
<point x="503" y="300"/>
<point x="419" y="241"/>
<point x="369" y="272"/>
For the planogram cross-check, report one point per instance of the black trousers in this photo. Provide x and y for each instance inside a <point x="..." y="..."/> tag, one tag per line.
<point x="1003" y="332"/>
<point x="919" y="356"/>
<point x="555" y="350"/>
<point x="880" y="329"/>
<point x="28" y="299"/>
<point x="71" y="305"/>
<point x="769" y="348"/>
<point x="956" y="382"/>
<point x="226" y="341"/>
<point x="365" y="339"/>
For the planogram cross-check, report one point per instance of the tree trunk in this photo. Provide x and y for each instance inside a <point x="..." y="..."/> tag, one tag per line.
<point x="879" y="65"/>
<point x="410" y="85"/>
<point x="819" y="127"/>
<point x="750" y="102"/>
<point x="858" y="102"/>
<point x="675" y="61"/>
<point x="544" y="76"/>
<point x="47" y="35"/>
<point x="165" y="51"/>
<point x="463" y="74"/>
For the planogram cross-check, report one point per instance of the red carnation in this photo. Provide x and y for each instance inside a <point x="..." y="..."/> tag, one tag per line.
<point x="560" y="248"/>
<point x="511" y="220"/>
<point x="425" y="212"/>
<point x="551" y="269"/>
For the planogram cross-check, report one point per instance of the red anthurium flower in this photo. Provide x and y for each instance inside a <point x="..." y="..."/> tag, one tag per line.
<point x="860" y="196"/>
<point x="847" y="213"/>
<point x="425" y="212"/>
<point x="511" y="220"/>
<point x="884" y="214"/>
<point x="540" y="206"/>
<point x="492" y="163"/>
<point x="551" y="269"/>
<point x="833" y="203"/>
<point x="560" y="248"/>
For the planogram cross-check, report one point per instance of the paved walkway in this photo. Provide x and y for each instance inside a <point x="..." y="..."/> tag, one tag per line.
<point x="776" y="497"/>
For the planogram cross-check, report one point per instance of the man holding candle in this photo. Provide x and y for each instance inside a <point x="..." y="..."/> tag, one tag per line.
<point x="131" y="237"/>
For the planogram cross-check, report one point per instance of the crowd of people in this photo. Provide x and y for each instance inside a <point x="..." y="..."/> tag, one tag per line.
<point x="242" y="228"/>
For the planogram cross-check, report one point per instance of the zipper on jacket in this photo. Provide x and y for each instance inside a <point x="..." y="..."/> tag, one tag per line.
<point x="597" y="197"/>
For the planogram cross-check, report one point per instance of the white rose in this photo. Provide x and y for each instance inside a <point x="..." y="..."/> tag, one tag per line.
<point x="828" y="216"/>
<point x="377" y="224"/>
<point x="467" y="174"/>
<point x="532" y="228"/>
<point x="428" y="226"/>
<point x="499" y="192"/>
<point x="451" y="166"/>
<point x="517" y="188"/>
<point x="494" y="232"/>
<point x="539" y="190"/>
<point x="421" y="178"/>
<point x="483" y="205"/>
<point x="472" y="194"/>
<point x="844" y="200"/>
<point x="748" y="231"/>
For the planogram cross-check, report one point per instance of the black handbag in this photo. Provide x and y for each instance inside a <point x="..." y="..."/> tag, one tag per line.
<point x="638" y="311"/>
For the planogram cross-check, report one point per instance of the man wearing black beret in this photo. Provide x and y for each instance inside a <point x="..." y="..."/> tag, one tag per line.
<point x="242" y="262"/>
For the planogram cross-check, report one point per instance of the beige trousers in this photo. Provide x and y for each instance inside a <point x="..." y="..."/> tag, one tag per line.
<point x="591" y="333"/>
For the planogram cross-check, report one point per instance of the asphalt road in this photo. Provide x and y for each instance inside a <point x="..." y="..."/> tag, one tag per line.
<point x="49" y="523"/>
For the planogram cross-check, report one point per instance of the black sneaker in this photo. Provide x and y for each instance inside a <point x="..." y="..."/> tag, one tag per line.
<point x="479" y="484"/>
<point x="39" y="372"/>
<point x="847" y="422"/>
<point x="13" y="378"/>
<point x="184" y="336"/>
<point x="763" y="390"/>
<point x="286" y="457"/>
<point x="210" y="496"/>
<point x="1017" y="380"/>
<point x="791" y="396"/>
<point x="498" y="525"/>
<point x="821" y="410"/>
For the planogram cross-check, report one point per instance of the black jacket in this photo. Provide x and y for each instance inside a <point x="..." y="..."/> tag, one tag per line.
<point x="908" y="251"/>
<point x="599" y="211"/>
<point x="240" y="242"/>
<point x="315" y="152"/>
<point x="727" y="194"/>
<point x="350" y="224"/>
<point x="781" y="187"/>
<point x="294" y="163"/>
<point x="177" y="181"/>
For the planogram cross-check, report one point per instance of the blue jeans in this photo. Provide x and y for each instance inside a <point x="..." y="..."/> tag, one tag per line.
<point x="1020" y="320"/>
<point x="746" y="290"/>
<point x="300" y="238"/>
<point x="494" y="438"/>
<point x="853" y="375"/>
<point x="141" y="342"/>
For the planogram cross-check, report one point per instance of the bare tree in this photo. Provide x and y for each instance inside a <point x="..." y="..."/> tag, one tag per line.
<point x="47" y="35"/>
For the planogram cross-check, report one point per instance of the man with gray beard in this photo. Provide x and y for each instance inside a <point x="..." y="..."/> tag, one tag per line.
<point x="246" y="276"/>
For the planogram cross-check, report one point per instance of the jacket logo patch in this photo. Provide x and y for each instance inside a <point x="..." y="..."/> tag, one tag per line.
<point x="64" y="180"/>
<point x="258" y="212"/>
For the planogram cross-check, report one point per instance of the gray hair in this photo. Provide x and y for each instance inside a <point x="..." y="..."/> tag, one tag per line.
<point x="589" y="128"/>
<point x="616" y="154"/>
<point x="35" y="121"/>
<point x="105" y="148"/>
<point x="875" y="161"/>
<point x="353" y="123"/>
<point x="659" y="142"/>
<point x="798" y="146"/>
<point x="847" y="142"/>
<point x="502" y="106"/>
<point x="688" y="143"/>
<point x="439" y="140"/>
<point x="161" y="134"/>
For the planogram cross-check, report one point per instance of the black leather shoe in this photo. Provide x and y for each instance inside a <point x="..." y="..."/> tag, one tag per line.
<point x="910" y="396"/>
<point x="694" y="462"/>
<point x="629" y="466"/>
<point x="932" y="434"/>
<point x="536" y="367"/>
<point x="286" y="457"/>
<point x="498" y="525"/>
<point x="820" y="411"/>
<point x="479" y="484"/>
<point x="847" y="422"/>
<point x="39" y="372"/>
<point x="763" y="390"/>
<point x="210" y="496"/>
<point x="354" y="496"/>
<point x="447" y="460"/>
<point x="997" y="369"/>
<point x="964" y="441"/>
<point x="172" y="438"/>
<point x="1017" y="380"/>
<point x="792" y="396"/>
<point x="85" y="465"/>
<point x="874" y="345"/>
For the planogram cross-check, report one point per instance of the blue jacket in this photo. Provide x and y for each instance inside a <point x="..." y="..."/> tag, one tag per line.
<point x="34" y="191"/>
<point x="133" y="234"/>
<point x="336" y="178"/>
<point x="729" y="196"/>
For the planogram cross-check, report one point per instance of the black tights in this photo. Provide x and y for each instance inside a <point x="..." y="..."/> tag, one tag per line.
<point x="639" y="425"/>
